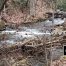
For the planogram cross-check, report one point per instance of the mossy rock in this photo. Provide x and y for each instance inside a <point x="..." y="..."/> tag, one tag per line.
<point x="2" y="25"/>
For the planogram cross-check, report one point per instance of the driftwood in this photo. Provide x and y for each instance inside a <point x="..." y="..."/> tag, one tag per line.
<point x="28" y="44"/>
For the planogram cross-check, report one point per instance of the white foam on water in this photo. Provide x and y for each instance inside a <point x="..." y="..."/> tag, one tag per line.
<point x="24" y="34"/>
<point x="9" y="32"/>
<point x="57" y="21"/>
<point x="8" y="41"/>
<point x="31" y="33"/>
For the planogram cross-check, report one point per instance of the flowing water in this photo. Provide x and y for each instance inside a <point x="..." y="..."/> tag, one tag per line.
<point x="28" y="31"/>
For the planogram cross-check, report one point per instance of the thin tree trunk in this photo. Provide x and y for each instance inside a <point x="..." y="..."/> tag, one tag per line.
<point x="32" y="7"/>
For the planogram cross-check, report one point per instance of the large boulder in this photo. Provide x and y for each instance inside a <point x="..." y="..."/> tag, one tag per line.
<point x="1" y="3"/>
<point x="2" y="25"/>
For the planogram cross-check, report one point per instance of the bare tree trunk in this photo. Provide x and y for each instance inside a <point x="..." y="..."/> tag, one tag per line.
<point x="32" y="7"/>
<point x="52" y="6"/>
<point x="46" y="55"/>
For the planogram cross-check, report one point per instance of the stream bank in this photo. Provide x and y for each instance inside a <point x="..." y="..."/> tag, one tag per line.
<point x="28" y="31"/>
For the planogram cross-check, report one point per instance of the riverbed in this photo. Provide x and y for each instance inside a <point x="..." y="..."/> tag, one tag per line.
<point x="32" y="30"/>
<point x="27" y="31"/>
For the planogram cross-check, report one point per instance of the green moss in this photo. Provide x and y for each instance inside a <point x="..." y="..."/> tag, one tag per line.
<point x="62" y="5"/>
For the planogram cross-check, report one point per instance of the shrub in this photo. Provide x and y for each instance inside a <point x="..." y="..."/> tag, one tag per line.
<point x="21" y="3"/>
